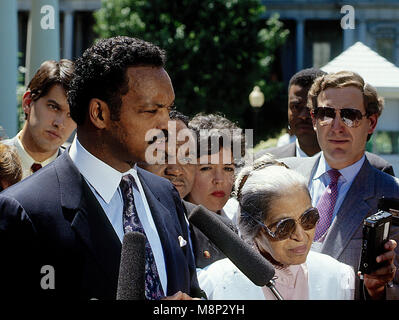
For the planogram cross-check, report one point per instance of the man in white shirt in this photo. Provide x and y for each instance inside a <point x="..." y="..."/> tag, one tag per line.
<point x="94" y="193"/>
<point x="48" y="121"/>
<point x="345" y="112"/>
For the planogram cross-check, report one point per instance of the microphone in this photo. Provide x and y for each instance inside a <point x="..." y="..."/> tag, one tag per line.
<point x="249" y="261"/>
<point x="131" y="280"/>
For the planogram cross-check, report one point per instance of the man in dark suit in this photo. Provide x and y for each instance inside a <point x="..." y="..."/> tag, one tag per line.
<point x="345" y="112"/>
<point x="300" y="124"/>
<point x="61" y="229"/>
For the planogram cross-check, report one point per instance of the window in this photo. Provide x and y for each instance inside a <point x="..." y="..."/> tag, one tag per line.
<point x="321" y="54"/>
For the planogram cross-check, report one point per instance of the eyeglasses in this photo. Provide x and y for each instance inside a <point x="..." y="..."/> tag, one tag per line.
<point x="326" y="115"/>
<point x="284" y="228"/>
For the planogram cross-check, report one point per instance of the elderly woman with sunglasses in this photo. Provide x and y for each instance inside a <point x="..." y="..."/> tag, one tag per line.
<point x="277" y="218"/>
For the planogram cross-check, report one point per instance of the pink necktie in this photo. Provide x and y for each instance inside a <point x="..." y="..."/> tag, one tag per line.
<point x="326" y="204"/>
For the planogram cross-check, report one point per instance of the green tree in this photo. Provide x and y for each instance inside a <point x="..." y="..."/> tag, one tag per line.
<point x="217" y="49"/>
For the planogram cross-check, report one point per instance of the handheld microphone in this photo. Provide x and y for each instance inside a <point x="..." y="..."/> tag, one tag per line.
<point x="131" y="281"/>
<point x="249" y="261"/>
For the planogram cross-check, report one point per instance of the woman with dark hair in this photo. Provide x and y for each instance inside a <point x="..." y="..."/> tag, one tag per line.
<point x="220" y="145"/>
<point x="277" y="218"/>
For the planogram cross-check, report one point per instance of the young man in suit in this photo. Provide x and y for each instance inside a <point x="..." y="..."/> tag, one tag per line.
<point x="71" y="217"/>
<point x="48" y="121"/>
<point x="300" y="123"/>
<point x="342" y="183"/>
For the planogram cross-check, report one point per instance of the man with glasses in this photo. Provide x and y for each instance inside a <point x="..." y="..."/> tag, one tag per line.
<point x="300" y="125"/>
<point x="343" y="185"/>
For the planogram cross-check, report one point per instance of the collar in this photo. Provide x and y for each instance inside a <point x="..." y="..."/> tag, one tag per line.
<point x="348" y="173"/>
<point x="102" y="177"/>
<point x="25" y="157"/>
<point x="299" y="152"/>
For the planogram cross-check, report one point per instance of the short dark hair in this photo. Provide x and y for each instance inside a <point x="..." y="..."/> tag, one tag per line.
<point x="176" y="115"/>
<point x="215" y="125"/>
<point x="306" y="77"/>
<point x="101" y="73"/>
<point x="50" y="73"/>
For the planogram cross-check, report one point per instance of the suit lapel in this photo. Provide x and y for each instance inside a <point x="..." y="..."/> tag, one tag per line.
<point x="306" y="166"/>
<point x="88" y="219"/>
<point x="95" y="230"/>
<point x="353" y="210"/>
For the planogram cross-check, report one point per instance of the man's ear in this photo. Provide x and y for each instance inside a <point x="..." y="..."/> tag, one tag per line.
<point x="26" y="102"/>
<point x="99" y="113"/>
<point x="313" y="120"/>
<point x="373" y="122"/>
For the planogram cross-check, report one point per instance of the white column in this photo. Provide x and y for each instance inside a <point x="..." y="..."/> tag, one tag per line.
<point x="300" y="43"/>
<point x="8" y="66"/>
<point x="68" y="35"/>
<point x="43" y="40"/>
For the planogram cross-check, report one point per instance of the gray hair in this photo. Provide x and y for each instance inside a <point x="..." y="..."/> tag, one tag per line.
<point x="257" y="187"/>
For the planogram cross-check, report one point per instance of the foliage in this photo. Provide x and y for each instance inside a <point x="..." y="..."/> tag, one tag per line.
<point x="217" y="49"/>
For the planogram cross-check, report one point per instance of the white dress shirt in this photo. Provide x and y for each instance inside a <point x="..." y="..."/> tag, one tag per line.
<point x="104" y="181"/>
<point x="299" y="152"/>
<point x="26" y="160"/>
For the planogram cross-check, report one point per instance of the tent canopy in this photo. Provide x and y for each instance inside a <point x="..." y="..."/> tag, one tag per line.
<point x="374" y="69"/>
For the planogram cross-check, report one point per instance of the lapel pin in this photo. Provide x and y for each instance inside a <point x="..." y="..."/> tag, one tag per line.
<point x="207" y="255"/>
<point x="182" y="242"/>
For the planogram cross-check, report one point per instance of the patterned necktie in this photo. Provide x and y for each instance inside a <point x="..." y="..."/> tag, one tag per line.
<point x="131" y="222"/>
<point x="326" y="204"/>
<point x="35" y="167"/>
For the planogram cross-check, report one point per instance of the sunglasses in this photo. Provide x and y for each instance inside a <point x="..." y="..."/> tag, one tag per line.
<point x="326" y="115"/>
<point x="284" y="228"/>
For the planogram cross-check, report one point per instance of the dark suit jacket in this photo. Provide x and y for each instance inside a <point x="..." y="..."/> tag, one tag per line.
<point x="205" y="251"/>
<point x="53" y="218"/>
<point x="289" y="150"/>
<point x="344" y="238"/>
